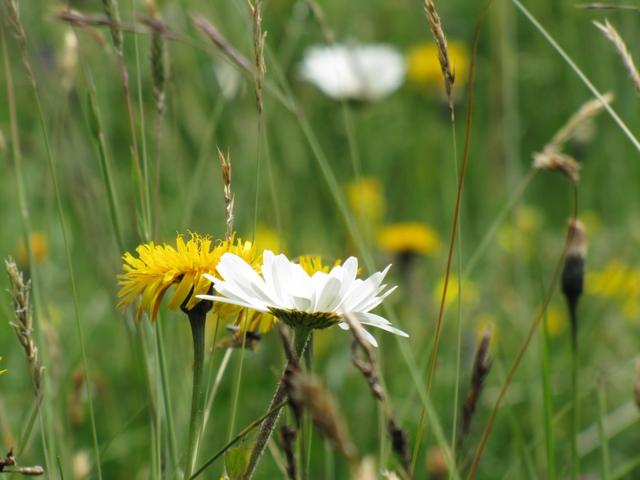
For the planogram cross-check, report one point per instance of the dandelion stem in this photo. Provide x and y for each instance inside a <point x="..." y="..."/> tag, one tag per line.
<point x="302" y="335"/>
<point x="197" y="318"/>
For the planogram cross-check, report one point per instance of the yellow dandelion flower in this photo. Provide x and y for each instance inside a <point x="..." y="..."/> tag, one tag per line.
<point x="470" y="292"/>
<point x="366" y="198"/>
<point x="39" y="248"/>
<point x="423" y="66"/>
<point x="409" y="237"/>
<point x="148" y="276"/>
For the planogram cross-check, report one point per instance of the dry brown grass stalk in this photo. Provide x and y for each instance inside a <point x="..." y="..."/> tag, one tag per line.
<point x="307" y="393"/>
<point x="157" y="56"/>
<point x="612" y="34"/>
<point x="551" y="157"/>
<point x="367" y="366"/>
<point x="222" y="43"/>
<point x="225" y="168"/>
<point x="479" y="372"/>
<point x="552" y="160"/>
<point x="288" y="436"/>
<point x="23" y="324"/>
<point x="583" y="115"/>
<point x="318" y="14"/>
<point x="443" y="51"/>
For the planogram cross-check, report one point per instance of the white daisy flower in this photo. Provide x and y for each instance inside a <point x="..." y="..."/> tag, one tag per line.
<point x="354" y="72"/>
<point x="301" y="300"/>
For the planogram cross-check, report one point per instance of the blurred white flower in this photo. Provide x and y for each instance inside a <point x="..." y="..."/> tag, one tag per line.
<point x="354" y="72"/>
<point x="301" y="300"/>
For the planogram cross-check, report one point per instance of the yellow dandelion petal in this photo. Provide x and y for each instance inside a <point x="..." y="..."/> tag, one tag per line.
<point x="409" y="237"/>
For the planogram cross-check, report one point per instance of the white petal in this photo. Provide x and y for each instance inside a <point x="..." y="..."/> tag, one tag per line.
<point x="379" y="322"/>
<point x="370" y="338"/>
<point x="216" y="298"/>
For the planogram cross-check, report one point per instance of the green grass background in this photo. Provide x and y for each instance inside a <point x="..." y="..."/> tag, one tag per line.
<point x="523" y="93"/>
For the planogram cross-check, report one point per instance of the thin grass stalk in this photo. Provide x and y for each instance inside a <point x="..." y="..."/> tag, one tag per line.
<point x="110" y="8"/>
<point x="238" y="384"/>
<point x="166" y="396"/>
<point x="454" y="226"/>
<point x="604" y="441"/>
<point x="302" y="335"/>
<point x="148" y="228"/>
<point x="548" y="404"/>
<point x="214" y="389"/>
<point x="525" y="344"/>
<point x="623" y="126"/>
<point x="63" y="227"/>
<point x="46" y="430"/>
<point x="243" y="433"/>
<point x="575" y="413"/>
<point x="97" y="130"/>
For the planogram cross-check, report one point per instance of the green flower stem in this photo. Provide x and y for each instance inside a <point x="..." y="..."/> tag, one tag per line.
<point x="197" y="318"/>
<point x="302" y="335"/>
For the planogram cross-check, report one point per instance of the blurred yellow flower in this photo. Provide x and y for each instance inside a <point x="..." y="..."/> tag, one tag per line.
<point x="619" y="283"/>
<point x="519" y="236"/>
<point x="470" y="292"/>
<point x="366" y="198"/>
<point x="556" y="319"/>
<point x="409" y="237"/>
<point x="423" y="66"/>
<point x="39" y="248"/>
<point x="158" y="267"/>
<point x="267" y="239"/>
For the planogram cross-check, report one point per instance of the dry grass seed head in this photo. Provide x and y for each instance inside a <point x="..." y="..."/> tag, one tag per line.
<point x="612" y="34"/>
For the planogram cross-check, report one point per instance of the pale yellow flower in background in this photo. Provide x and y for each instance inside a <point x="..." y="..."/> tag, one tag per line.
<point x="366" y="198"/>
<point x="409" y="237"/>
<point x="618" y="283"/>
<point x="39" y="248"/>
<point x="423" y="66"/>
<point x="470" y="293"/>
<point x="268" y="239"/>
<point x="557" y="321"/>
<point x="156" y="268"/>
<point x="519" y="236"/>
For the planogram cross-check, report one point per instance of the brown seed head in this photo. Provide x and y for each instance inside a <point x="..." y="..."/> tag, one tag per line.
<point x="552" y="160"/>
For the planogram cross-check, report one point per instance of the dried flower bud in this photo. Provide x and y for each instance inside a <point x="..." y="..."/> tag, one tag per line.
<point x="573" y="272"/>
<point x="307" y="392"/>
<point x="553" y="160"/>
